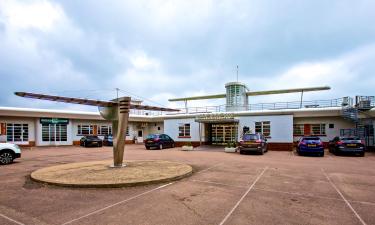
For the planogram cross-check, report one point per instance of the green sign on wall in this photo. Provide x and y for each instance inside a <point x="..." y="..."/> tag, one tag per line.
<point x="54" y="121"/>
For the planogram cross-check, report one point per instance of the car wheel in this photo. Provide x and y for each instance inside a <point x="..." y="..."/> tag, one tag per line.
<point x="362" y="154"/>
<point x="84" y="144"/>
<point x="148" y="148"/>
<point x="261" y="152"/>
<point x="241" y="152"/>
<point x="322" y="154"/>
<point x="6" y="157"/>
<point x="173" y="145"/>
<point x="160" y="146"/>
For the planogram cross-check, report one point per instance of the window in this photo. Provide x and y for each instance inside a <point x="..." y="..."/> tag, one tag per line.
<point x="85" y="129"/>
<point x="263" y="127"/>
<point x="318" y="129"/>
<point x="105" y="130"/>
<point x="298" y="129"/>
<point x="127" y="131"/>
<point x="184" y="130"/>
<point x="54" y="132"/>
<point x="17" y="132"/>
<point x="331" y="126"/>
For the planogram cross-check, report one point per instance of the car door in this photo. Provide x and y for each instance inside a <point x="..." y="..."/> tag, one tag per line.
<point x="332" y="144"/>
<point x="170" y="141"/>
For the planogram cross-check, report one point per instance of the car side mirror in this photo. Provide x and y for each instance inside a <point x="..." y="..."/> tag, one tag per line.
<point x="265" y="139"/>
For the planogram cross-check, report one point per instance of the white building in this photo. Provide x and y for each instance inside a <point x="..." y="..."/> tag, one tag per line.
<point x="281" y="123"/>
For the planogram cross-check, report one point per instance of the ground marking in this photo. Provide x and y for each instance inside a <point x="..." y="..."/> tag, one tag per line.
<point x="342" y="196"/>
<point x="216" y="165"/>
<point x="243" y="196"/>
<point x="10" y="219"/>
<point x="118" y="203"/>
<point x="211" y="182"/>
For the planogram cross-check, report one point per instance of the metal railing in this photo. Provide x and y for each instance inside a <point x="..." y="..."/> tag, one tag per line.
<point x="337" y="102"/>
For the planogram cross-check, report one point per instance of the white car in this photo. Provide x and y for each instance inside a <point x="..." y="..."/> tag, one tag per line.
<point x="9" y="152"/>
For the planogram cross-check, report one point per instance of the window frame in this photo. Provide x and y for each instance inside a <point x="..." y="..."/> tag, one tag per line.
<point x="23" y="135"/>
<point x="261" y="126"/>
<point x="80" y="129"/>
<point x="184" y="130"/>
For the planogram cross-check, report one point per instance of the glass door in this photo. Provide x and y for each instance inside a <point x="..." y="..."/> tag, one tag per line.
<point x="54" y="134"/>
<point x="223" y="133"/>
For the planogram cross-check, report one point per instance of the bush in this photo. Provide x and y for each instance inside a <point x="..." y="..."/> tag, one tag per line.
<point x="188" y="144"/>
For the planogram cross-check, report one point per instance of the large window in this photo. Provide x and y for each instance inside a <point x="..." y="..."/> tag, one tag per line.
<point x="184" y="130"/>
<point x="105" y="130"/>
<point x="54" y="132"/>
<point x="85" y="129"/>
<point x="17" y="132"/>
<point x="263" y="127"/>
<point x="318" y="129"/>
<point x="298" y="129"/>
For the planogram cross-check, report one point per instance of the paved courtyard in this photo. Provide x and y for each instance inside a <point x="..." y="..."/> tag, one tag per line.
<point x="225" y="188"/>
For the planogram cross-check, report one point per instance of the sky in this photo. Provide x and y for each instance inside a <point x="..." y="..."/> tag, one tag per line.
<point x="157" y="50"/>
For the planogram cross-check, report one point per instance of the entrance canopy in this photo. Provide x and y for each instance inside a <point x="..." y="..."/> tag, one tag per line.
<point x="216" y="118"/>
<point x="217" y="121"/>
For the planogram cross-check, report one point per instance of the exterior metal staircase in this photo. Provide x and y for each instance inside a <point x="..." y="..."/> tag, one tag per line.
<point x="356" y="113"/>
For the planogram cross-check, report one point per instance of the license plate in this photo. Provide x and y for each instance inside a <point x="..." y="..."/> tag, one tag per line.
<point x="149" y="141"/>
<point x="351" y="145"/>
<point x="95" y="142"/>
<point x="311" y="145"/>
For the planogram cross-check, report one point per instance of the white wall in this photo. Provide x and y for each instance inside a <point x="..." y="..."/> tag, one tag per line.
<point x="171" y="129"/>
<point x="339" y="123"/>
<point x="281" y="127"/>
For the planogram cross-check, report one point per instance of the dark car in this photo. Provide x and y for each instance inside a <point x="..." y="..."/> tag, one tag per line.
<point x="91" y="141"/>
<point x="352" y="145"/>
<point x="158" y="141"/>
<point x="310" y="145"/>
<point x="253" y="143"/>
<point x="108" y="140"/>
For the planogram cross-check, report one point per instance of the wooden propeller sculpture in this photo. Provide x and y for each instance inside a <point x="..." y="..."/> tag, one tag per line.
<point x="116" y="111"/>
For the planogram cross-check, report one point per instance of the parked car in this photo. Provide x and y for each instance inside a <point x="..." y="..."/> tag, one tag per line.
<point x="90" y="141"/>
<point x="108" y="140"/>
<point x="339" y="145"/>
<point x="310" y="145"/>
<point x="158" y="141"/>
<point x="9" y="152"/>
<point x="253" y="143"/>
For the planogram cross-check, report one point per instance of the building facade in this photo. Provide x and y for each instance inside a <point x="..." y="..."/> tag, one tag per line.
<point x="282" y="126"/>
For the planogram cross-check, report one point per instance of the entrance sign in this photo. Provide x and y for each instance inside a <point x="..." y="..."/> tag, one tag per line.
<point x="54" y="121"/>
<point x="216" y="118"/>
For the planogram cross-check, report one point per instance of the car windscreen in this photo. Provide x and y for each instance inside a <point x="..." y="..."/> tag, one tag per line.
<point x="250" y="137"/>
<point x="152" y="136"/>
<point x="92" y="137"/>
<point x="350" y="138"/>
<point x="311" y="138"/>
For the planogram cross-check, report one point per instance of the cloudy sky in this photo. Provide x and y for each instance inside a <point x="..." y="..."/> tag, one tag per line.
<point x="163" y="49"/>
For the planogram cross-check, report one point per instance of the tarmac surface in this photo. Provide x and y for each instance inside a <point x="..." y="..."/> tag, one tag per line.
<point x="225" y="188"/>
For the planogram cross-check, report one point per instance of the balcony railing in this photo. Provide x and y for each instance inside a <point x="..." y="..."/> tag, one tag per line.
<point x="337" y="102"/>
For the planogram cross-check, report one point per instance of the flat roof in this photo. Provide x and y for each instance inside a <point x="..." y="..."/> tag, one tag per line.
<point x="73" y="114"/>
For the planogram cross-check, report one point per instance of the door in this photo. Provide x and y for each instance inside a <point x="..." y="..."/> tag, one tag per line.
<point x="140" y="136"/>
<point x="54" y="134"/>
<point x="223" y="133"/>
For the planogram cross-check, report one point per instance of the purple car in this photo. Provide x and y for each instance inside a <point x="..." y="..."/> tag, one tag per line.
<point x="310" y="145"/>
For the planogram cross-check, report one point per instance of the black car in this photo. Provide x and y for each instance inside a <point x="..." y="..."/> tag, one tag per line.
<point x="91" y="141"/>
<point x="253" y="143"/>
<point x="354" y="145"/>
<point x="108" y="140"/>
<point x="158" y="141"/>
